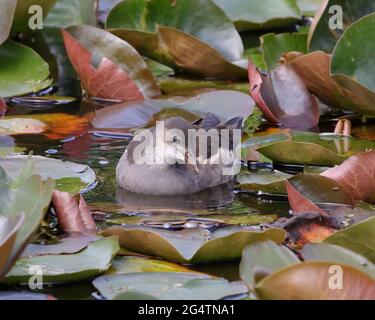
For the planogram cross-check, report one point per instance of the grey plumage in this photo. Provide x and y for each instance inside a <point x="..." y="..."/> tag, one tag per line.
<point x="178" y="178"/>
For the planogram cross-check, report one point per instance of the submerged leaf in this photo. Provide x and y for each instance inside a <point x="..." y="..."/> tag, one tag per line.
<point x="109" y="67"/>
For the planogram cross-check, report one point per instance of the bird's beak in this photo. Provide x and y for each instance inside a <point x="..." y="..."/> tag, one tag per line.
<point x="190" y="163"/>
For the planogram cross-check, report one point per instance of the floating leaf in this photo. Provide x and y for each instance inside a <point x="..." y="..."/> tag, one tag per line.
<point x="193" y="246"/>
<point x="92" y="261"/>
<point x="283" y="97"/>
<point x="98" y="56"/>
<point x="274" y="46"/>
<point x="181" y="36"/>
<point x="166" y="286"/>
<point x="306" y="192"/>
<point x="22" y="70"/>
<point x="261" y="259"/>
<point x="24" y="296"/>
<point x="311" y="281"/>
<point x="324" y="38"/>
<point x="271" y="182"/>
<point x="68" y="13"/>
<point x="358" y="238"/>
<point x="357" y="176"/>
<point x="337" y="255"/>
<point x="266" y="14"/>
<point x="69" y="176"/>
<point x="7" y="10"/>
<point x="309" y="7"/>
<point x="133" y="115"/>
<point x="314" y="69"/>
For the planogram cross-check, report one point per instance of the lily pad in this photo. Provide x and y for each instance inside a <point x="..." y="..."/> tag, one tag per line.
<point x="68" y="13"/>
<point x="22" y="70"/>
<point x="7" y="10"/>
<point x="266" y="14"/>
<point x="133" y="264"/>
<point x="261" y="259"/>
<point x="358" y="238"/>
<point x="140" y="114"/>
<point x="271" y="182"/>
<point x="309" y="7"/>
<point x="324" y="38"/>
<point x="92" y="261"/>
<point x="167" y="286"/>
<point x="193" y="245"/>
<point x="308" y="148"/>
<point x="69" y="176"/>
<point x="181" y="36"/>
<point x="98" y="55"/>
<point x="24" y="296"/>
<point x="338" y="255"/>
<point x="274" y="46"/>
<point x="352" y="59"/>
<point x="310" y="281"/>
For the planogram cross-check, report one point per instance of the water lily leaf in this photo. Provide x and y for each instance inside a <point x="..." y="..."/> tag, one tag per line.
<point x="310" y="281"/>
<point x="264" y="181"/>
<point x="22" y="15"/>
<point x="7" y="10"/>
<point x="22" y="70"/>
<point x="69" y="176"/>
<point x="97" y="56"/>
<point x="103" y="9"/>
<point x="338" y="92"/>
<point x="324" y="38"/>
<point x="92" y="261"/>
<point x="17" y="126"/>
<point x="133" y="264"/>
<point x="166" y="286"/>
<point x="307" y="191"/>
<point x="255" y="15"/>
<point x="309" y="148"/>
<point x="180" y="36"/>
<point x="262" y="259"/>
<point x="192" y="246"/>
<point x="351" y="64"/>
<point x="8" y="233"/>
<point x="274" y="46"/>
<point x="73" y="243"/>
<point x="338" y="255"/>
<point x="139" y="114"/>
<point x="309" y="7"/>
<point x="283" y="97"/>
<point x="358" y="238"/>
<point x="356" y="175"/>
<point x="68" y="13"/>
<point x="24" y="296"/>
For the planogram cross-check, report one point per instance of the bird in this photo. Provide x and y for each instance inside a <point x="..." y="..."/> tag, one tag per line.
<point x="171" y="160"/>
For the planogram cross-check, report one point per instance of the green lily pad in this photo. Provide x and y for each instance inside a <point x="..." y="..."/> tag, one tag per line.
<point x="266" y="14"/>
<point x="193" y="245"/>
<point x="275" y="45"/>
<point x="22" y="70"/>
<point x="261" y="259"/>
<point x="308" y="148"/>
<point x="68" y="13"/>
<point x="133" y="264"/>
<point x="310" y="281"/>
<point x="203" y="42"/>
<point x="167" y="286"/>
<point x="309" y="7"/>
<point x="7" y="10"/>
<point x="358" y="238"/>
<point x="352" y="58"/>
<point x="70" y="177"/>
<point x="91" y="262"/>
<point x="337" y="255"/>
<point x="22" y="15"/>
<point x="322" y="37"/>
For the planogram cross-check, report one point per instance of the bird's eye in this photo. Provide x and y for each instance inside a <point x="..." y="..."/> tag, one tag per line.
<point x="175" y="139"/>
